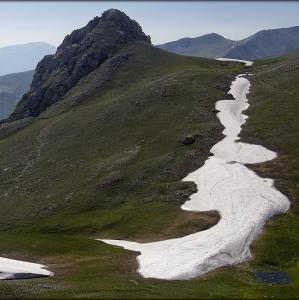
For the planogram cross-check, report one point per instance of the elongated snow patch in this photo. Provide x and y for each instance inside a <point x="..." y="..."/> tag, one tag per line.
<point x="244" y="200"/>
<point x="246" y="62"/>
<point x="16" y="269"/>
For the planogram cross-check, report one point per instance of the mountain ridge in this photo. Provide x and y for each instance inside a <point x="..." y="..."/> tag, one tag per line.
<point x="23" y="57"/>
<point x="200" y="46"/>
<point x="264" y="44"/>
<point x="12" y="88"/>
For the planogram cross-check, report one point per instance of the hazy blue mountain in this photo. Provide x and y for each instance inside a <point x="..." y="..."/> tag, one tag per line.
<point x="267" y="44"/>
<point x="20" y="58"/>
<point x="263" y="44"/>
<point x="209" y="45"/>
<point x="12" y="88"/>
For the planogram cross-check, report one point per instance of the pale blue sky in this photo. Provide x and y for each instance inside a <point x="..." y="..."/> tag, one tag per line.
<point x="22" y="22"/>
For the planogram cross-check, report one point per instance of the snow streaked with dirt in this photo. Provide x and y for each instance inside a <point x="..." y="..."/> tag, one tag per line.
<point x="16" y="269"/>
<point x="244" y="201"/>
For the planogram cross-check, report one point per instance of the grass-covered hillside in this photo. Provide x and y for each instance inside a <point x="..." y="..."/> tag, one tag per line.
<point x="107" y="162"/>
<point x="273" y="122"/>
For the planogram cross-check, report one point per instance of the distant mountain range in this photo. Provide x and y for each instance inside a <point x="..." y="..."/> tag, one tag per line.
<point x="20" y="58"/>
<point x="264" y="44"/>
<point x="12" y="88"/>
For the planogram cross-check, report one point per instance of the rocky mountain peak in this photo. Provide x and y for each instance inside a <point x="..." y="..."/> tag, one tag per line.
<point x="113" y="23"/>
<point x="114" y="15"/>
<point x="80" y="53"/>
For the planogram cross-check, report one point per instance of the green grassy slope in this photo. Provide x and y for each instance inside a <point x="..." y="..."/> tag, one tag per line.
<point x="274" y="123"/>
<point x="110" y="165"/>
<point x="120" y="146"/>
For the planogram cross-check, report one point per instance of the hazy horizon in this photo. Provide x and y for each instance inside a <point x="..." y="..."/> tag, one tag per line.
<point x="50" y="22"/>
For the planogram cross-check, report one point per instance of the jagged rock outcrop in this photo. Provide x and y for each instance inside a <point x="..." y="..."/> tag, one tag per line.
<point x="81" y="52"/>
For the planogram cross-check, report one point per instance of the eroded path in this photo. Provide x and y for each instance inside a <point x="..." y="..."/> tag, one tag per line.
<point x="17" y="269"/>
<point x="244" y="201"/>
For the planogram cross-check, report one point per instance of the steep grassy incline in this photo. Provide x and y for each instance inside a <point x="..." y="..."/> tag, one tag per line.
<point x="121" y="145"/>
<point x="106" y="161"/>
<point x="274" y="122"/>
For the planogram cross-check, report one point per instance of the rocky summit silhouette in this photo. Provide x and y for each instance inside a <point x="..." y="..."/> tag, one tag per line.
<point x="80" y="53"/>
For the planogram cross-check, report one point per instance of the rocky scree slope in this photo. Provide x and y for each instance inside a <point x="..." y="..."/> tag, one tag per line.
<point x="80" y="53"/>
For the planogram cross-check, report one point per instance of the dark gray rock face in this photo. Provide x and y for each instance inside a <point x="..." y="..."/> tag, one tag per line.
<point x="81" y="52"/>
